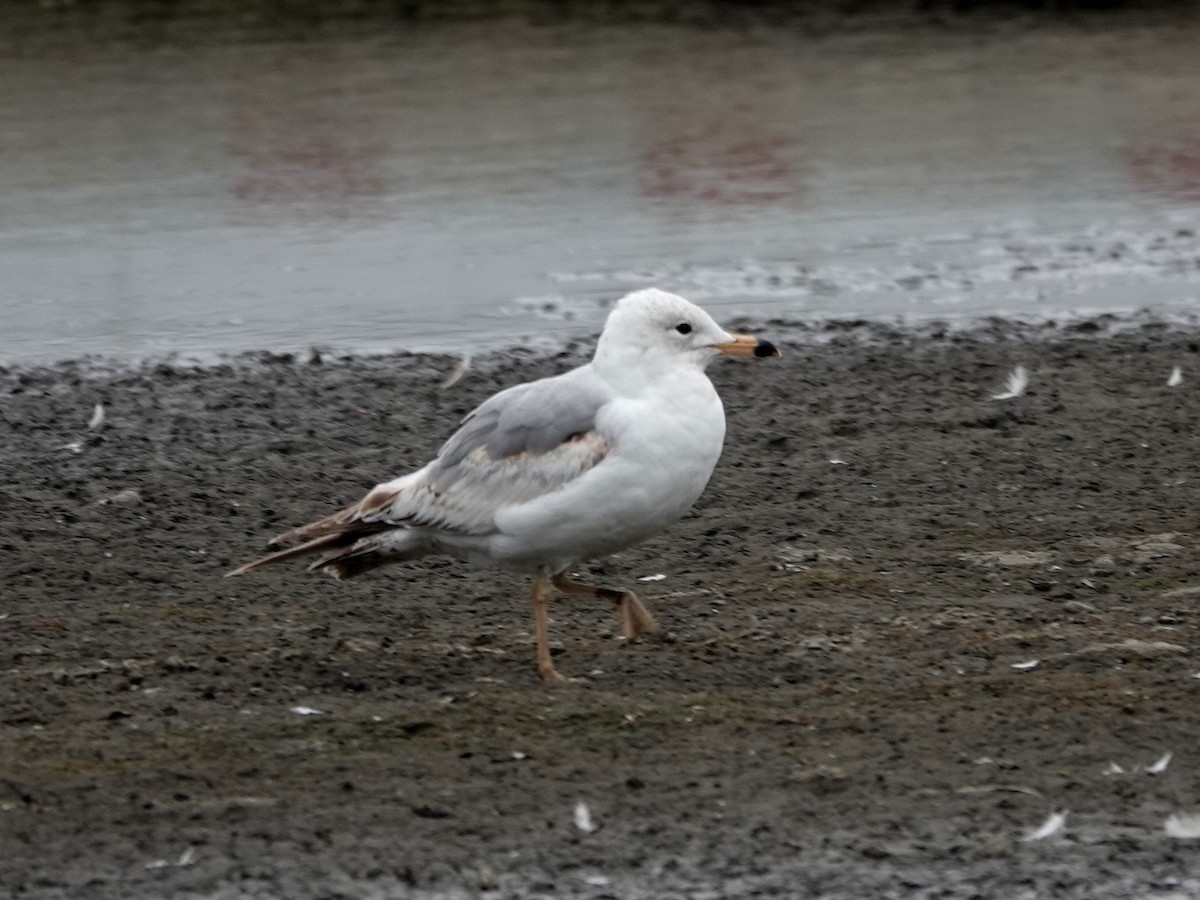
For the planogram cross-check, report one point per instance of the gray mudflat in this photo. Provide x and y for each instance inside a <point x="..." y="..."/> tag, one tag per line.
<point x="837" y="709"/>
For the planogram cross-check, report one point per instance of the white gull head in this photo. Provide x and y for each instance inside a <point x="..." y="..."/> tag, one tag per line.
<point x="651" y="329"/>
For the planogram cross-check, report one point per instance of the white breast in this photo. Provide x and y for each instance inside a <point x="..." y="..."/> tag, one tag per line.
<point x="666" y="442"/>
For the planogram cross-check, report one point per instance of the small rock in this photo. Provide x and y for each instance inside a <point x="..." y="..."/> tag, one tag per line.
<point x="1078" y="606"/>
<point x="127" y="497"/>
<point x="485" y="878"/>
<point x="996" y="845"/>
<point x="425" y="811"/>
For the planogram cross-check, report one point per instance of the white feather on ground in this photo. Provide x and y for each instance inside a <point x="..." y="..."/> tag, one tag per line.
<point x="97" y="418"/>
<point x="1053" y="825"/>
<point x="1185" y="826"/>
<point x="460" y="371"/>
<point x="1018" y="380"/>
<point x="1175" y="378"/>
<point x="1161" y="766"/>
<point x="186" y="858"/>
<point x="583" y="818"/>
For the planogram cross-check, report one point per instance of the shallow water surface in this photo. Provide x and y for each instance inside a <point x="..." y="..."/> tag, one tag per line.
<point x="463" y="187"/>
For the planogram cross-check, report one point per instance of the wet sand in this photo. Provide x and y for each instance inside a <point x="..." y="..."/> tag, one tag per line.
<point x="846" y="702"/>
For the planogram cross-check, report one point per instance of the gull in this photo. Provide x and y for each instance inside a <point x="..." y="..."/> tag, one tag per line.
<point x="545" y="475"/>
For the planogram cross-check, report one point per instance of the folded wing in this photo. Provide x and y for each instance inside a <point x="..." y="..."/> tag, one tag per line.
<point x="521" y="444"/>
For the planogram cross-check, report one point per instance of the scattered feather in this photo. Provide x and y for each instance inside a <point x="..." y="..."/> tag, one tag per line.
<point x="1114" y="769"/>
<point x="1176" y="377"/>
<point x="73" y="446"/>
<point x="1185" y="826"/>
<point x="186" y="858"/>
<point x="596" y="880"/>
<point x="837" y="462"/>
<point x="658" y="577"/>
<point x="306" y="711"/>
<point x="583" y="818"/>
<point x="1028" y="664"/>
<point x="1161" y="766"/>
<point x="1053" y="825"/>
<point x="97" y="418"/>
<point x="461" y="371"/>
<point x="1015" y="386"/>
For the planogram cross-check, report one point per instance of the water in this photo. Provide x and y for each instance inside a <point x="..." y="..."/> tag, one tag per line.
<point x="462" y="187"/>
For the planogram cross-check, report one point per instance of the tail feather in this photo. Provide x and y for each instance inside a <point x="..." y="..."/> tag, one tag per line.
<point x="348" y="545"/>
<point x="392" y="546"/>
<point x="316" y="545"/>
<point x="354" y="561"/>
<point x="350" y="553"/>
<point x="341" y="522"/>
<point x="359" y="518"/>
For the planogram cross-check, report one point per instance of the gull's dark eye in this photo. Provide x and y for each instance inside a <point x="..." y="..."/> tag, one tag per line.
<point x="683" y="328"/>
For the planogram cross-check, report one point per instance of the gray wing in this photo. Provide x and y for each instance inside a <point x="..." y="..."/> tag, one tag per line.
<point x="532" y="418"/>
<point x="522" y="443"/>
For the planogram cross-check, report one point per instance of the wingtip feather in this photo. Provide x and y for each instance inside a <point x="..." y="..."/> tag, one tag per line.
<point x="245" y="567"/>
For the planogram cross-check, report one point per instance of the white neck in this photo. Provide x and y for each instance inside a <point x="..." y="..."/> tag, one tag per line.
<point x="632" y="369"/>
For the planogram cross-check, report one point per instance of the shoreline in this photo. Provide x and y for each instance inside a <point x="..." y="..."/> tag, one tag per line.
<point x="800" y="332"/>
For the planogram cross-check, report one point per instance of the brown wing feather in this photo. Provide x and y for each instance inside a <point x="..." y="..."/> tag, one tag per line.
<point x="354" y="519"/>
<point x="332" y="524"/>
<point x="330" y="535"/>
<point x="316" y="545"/>
<point x="524" y="443"/>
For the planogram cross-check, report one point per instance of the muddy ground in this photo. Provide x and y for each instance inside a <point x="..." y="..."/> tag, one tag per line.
<point x="845" y="703"/>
